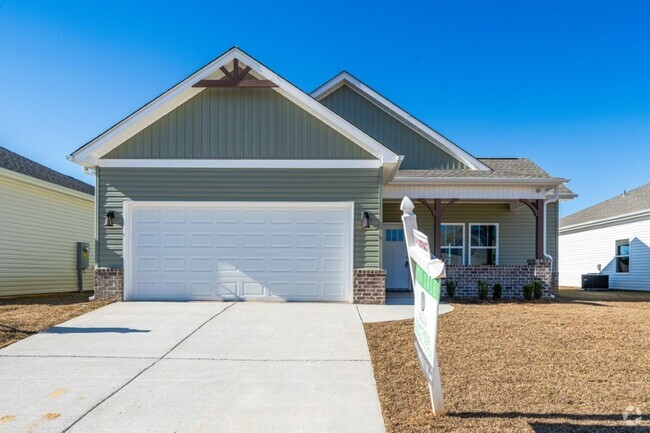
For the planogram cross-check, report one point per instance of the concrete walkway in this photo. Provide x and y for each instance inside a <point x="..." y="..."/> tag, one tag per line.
<point x="194" y="367"/>
<point x="399" y="306"/>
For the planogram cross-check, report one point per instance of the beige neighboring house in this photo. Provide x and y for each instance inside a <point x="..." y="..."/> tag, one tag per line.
<point x="43" y="214"/>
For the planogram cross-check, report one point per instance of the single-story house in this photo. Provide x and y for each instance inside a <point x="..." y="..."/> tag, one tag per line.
<point x="235" y="184"/>
<point x="609" y="238"/>
<point x="43" y="214"/>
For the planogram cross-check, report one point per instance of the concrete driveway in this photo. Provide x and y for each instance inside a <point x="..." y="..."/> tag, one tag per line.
<point x="194" y="367"/>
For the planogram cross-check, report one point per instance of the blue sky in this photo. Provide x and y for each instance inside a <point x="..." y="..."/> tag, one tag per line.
<point x="565" y="83"/>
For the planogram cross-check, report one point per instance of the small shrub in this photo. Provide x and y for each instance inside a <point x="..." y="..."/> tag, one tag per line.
<point x="538" y="289"/>
<point x="450" y="287"/>
<point x="483" y="289"/>
<point x="528" y="291"/>
<point x="497" y="291"/>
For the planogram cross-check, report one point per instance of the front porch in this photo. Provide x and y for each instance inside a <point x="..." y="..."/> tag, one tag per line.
<point x="507" y="241"/>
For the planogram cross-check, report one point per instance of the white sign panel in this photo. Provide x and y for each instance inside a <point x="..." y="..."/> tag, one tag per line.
<point x="426" y="272"/>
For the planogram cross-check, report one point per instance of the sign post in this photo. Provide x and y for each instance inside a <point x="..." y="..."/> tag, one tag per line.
<point x="426" y="273"/>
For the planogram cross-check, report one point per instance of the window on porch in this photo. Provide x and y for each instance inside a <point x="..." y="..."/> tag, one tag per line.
<point x="453" y="243"/>
<point x="484" y="245"/>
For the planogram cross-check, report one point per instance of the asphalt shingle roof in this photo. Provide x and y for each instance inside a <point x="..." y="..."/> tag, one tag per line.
<point x="631" y="201"/>
<point x="14" y="162"/>
<point x="501" y="168"/>
<point x="511" y="168"/>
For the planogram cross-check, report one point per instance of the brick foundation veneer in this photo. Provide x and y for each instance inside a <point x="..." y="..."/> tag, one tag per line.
<point x="555" y="283"/>
<point x="511" y="277"/>
<point x="369" y="286"/>
<point x="109" y="284"/>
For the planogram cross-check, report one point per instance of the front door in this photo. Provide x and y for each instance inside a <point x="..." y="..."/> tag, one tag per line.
<point x="395" y="258"/>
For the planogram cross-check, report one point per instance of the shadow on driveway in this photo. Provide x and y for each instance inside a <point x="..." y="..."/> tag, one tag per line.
<point x="75" y="330"/>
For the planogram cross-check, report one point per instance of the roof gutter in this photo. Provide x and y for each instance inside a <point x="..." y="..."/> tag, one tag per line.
<point x="546" y="181"/>
<point x="553" y="199"/>
<point x="389" y="174"/>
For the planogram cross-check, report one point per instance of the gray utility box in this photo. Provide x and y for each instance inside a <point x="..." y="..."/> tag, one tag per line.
<point x="83" y="255"/>
<point x="595" y="282"/>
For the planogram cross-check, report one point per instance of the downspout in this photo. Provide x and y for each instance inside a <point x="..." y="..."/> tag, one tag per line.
<point x="553" y="199"/>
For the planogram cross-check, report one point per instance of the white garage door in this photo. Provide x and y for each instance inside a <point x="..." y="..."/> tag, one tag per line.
<point x="231" y="251"/>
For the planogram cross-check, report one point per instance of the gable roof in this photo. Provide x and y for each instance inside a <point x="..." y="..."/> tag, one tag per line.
<point x="630" y="202"/>
<point x="19" y="164"/>
<point x="89" y="153"/>
<point x="345" y="78"/>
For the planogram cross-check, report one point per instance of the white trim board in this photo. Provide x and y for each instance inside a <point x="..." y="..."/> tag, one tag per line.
<point x="240" y="163"/>
<point x="89" y="154"/>
<point x="345" y="78"/>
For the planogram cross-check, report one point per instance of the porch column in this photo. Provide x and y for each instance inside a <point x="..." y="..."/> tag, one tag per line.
<point x="537" y="206"/>
<point x="437" y="211"/>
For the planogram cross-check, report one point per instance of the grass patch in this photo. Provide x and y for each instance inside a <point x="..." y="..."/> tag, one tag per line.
<point x="572" y="366"/>
<point x="25" y="316"/>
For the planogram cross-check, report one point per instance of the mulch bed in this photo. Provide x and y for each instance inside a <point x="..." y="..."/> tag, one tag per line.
<point x="568" y="366"/>
<point x="22" y="317"/>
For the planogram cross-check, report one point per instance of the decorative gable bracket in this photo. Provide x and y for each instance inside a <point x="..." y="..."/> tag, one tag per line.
<point x="235" y="78"/>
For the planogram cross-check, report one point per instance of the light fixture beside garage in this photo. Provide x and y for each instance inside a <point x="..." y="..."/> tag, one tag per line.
<point x="108" y="219"/>
<point x="365" y="220"/>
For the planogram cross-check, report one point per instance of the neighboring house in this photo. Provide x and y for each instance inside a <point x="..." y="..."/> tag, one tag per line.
<point x="612" y="238"/>
<point x="235" y="184"/>
<point x="43" y="214"/>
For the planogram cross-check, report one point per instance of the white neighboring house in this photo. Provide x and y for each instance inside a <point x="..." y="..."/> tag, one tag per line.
<point x="612" y="238"/>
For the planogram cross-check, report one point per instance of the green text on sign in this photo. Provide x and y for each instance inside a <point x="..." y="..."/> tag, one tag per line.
<point x="430" y="285"/>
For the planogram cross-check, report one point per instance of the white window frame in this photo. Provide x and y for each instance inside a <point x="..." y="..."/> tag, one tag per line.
<point x="617" y="256"/>
<point x="462" y="247"/>
<point x="496" y="248"/>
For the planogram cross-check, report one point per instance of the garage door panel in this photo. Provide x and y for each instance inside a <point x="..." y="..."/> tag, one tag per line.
<point x="333" y="288"/>
<point x="227" y="289"/>
<point x="281" y="288"/>
<point x="213" y="252"/>
<point x="307" y="265"/>
<point x="173" y="264"/>
<point x="201" y="288"/>
<point x="307" y="240"/>
<point x="280" y="264"/>
<point x="253" y="288"/>
<point x="147" y="264"/>
<point x="201" y="240"/>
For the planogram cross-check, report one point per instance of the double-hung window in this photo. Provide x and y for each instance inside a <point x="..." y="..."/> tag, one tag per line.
<point x="453" y="243"/>
<point x="484" y="244"/>
<point x="623" y="256"/>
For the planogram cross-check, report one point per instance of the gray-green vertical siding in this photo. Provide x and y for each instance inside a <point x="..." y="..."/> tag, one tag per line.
<point x="516" y="226"/>
<point x="420" y="153"/>
<point x="362" y="186"/>
<point x="222" y="123"/>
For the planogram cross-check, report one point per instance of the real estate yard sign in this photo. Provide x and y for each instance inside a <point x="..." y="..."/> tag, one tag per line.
<point x="426" y="273"/>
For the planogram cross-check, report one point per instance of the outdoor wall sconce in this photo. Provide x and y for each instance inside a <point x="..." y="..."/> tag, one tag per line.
<point x="108" y="219"/>
<point x="365" y="220"/>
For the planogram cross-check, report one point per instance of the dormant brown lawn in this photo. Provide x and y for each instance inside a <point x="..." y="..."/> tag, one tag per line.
<point x="572" y="365"/>
<point x="22" y="317"/>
